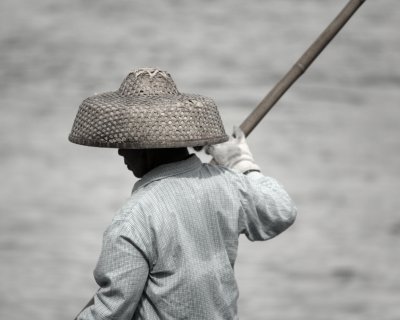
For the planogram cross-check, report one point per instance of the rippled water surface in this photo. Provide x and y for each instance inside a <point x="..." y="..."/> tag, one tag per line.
<point x="333" y="141"/>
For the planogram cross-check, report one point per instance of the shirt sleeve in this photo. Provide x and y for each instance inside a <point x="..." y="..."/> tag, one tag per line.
<point x="121" y="273"/>
<point x="267" y="209"/>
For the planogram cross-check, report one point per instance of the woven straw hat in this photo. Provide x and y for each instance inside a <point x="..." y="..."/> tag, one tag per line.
<point x="147" y="111"/>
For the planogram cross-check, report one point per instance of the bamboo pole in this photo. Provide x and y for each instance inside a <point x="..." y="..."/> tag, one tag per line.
<point x="300" y="66"/>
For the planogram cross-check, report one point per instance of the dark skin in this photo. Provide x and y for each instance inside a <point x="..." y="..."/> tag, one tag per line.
<point x="141" y="161"/>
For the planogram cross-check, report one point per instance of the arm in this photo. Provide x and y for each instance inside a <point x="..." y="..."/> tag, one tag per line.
<point x="121" y="274"/>
<point x="267" y="209"/>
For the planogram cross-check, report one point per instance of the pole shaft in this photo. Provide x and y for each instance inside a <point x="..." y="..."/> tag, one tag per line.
<point x="300" y="66"/>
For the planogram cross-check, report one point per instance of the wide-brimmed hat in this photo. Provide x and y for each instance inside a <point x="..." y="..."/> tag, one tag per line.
<point x="147" y="111"/>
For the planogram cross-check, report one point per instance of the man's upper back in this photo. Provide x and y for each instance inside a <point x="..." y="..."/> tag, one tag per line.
<point x="186" y="218"/>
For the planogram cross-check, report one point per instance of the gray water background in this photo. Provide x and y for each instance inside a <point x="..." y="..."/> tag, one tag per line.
<point x="333" y="141"/>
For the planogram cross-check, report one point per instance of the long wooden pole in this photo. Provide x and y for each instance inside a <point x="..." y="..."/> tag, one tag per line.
<point x="300" y="66"/>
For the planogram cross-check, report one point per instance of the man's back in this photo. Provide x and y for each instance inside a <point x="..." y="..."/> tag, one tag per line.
<point x="183" y="220"/>
<point x="194" y="217"/>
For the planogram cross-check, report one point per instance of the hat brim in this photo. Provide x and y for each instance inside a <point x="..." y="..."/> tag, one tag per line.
<point x="112" y="120"/>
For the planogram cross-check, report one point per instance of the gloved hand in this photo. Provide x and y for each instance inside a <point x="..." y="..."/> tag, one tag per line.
<point x="234" y="153"/>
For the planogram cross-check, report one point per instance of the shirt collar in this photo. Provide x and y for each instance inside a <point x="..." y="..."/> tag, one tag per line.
<point x="168" y="170"/>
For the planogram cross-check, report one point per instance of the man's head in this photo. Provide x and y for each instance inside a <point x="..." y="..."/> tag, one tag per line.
<point x="141" y="161"/>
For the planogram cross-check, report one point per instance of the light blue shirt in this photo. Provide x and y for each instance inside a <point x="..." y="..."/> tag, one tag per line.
<point x="170" y="251"/>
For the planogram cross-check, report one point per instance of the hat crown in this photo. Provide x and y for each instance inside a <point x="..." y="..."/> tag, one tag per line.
<point x="148" y="82"/>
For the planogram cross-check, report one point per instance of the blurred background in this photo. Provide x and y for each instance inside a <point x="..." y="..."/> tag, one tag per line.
<point x="333" y="141"/>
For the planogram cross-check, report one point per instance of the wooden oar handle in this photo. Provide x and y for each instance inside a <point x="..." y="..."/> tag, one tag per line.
<point x="300" y="66"/>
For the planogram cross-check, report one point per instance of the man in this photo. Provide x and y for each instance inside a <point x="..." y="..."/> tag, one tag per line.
<point x="169" y="253"/>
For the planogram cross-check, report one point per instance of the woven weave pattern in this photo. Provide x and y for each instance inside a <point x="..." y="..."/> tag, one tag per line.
<point x="147" y="112"/>
<point x="148" y="82"/>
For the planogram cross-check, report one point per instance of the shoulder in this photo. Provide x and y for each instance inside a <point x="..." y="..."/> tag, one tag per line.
<point x="133" y="208"/>
<point x="145" y="209"/>
<point x="134" y="224"/>
<point x="222" y="172"/>
<point x="237" y="179"/>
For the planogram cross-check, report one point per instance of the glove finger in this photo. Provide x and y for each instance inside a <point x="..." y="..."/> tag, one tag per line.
<point x="234" y="131"/>
<point x="238" y="134"/>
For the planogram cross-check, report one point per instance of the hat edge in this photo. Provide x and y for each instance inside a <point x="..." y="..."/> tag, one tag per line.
<point x="149" y="145"/>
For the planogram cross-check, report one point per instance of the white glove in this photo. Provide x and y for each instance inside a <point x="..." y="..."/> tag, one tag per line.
<point x="234" y="153"/>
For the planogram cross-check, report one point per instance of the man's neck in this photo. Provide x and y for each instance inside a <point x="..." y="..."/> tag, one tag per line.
<point x="158" y="157"/>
